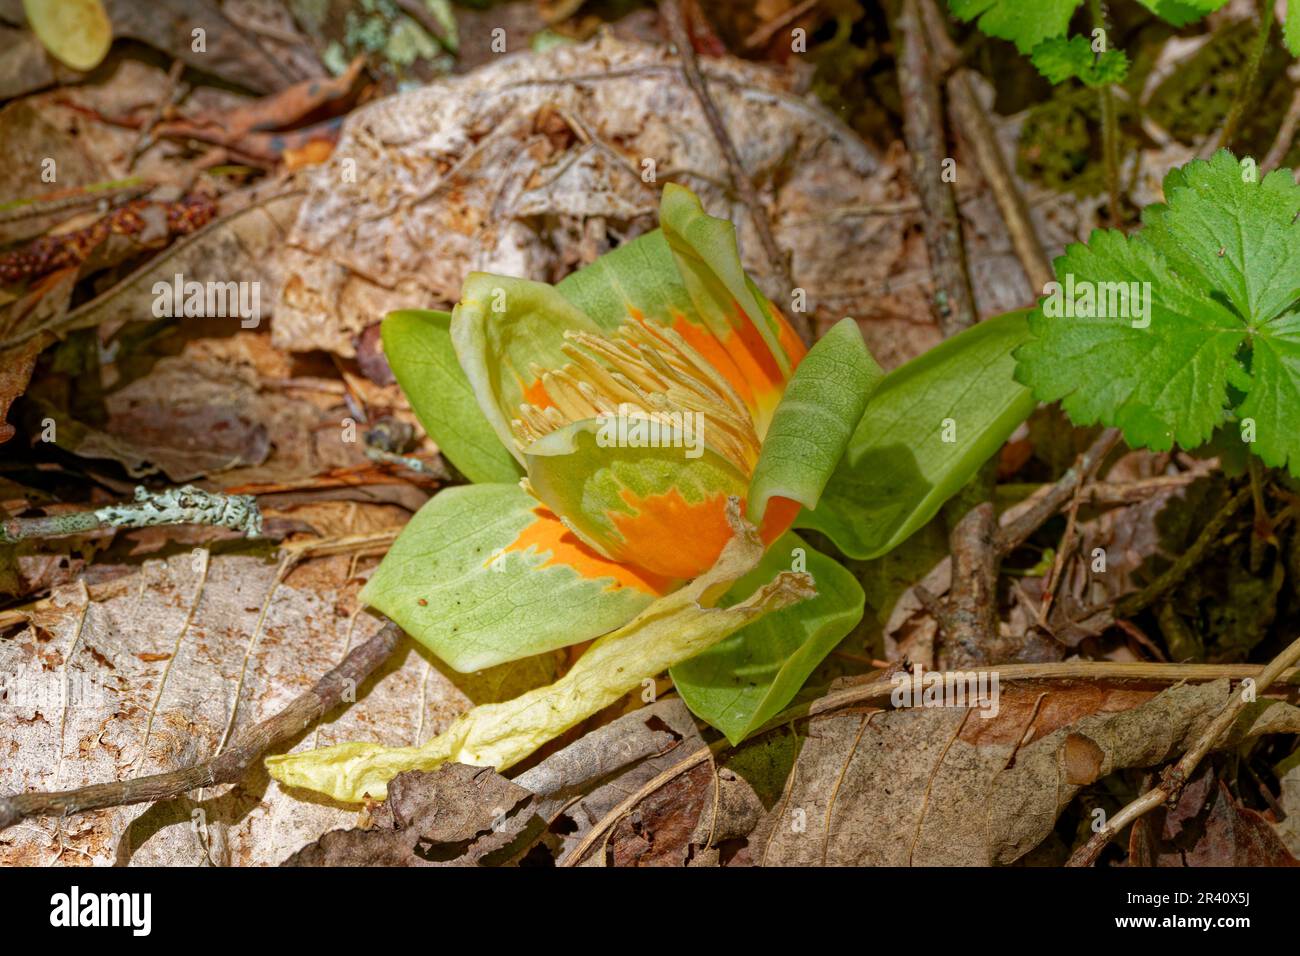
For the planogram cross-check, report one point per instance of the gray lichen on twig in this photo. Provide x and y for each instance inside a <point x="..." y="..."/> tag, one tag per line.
<point x="184" y="505"/>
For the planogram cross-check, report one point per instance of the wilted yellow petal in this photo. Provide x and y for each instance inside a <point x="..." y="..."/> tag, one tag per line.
<point x="76" y="32"/>
<point x="672" y="629"/>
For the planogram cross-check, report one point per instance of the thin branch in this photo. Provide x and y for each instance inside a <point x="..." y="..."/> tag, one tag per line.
<point x="435" y="468"/>
<point x="1099" y="618"/>
<point x="1285" y="132"/>
<point x="1175" y="778"/>
<point x="230" y="765"/>
<point x="672" y="14"/>
<point x="185" y="505"/>
<point x="975" y="128"/>
<point x="762" y="36"/>
<point x="171" y="94"/>
<point x="1018" y="526"/>
<point x="937" y="607"/>
<point x="953" y="303"/>
<point x="1063" y="551"/>
<point x="972" y="637"/>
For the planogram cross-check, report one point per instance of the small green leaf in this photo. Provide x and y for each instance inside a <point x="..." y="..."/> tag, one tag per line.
<point x="1182" y="12"/>
<point x="1060" y="59"/>
<point x="1160" y="333"/>
<point x="815" y="420"/>
<point x="418" y="346"/>
<point x="742" y="682"/>
<point x="1273" y="402"/>
<point x="1162" y="379"/>
<point x="1231" y="234"/>
<point x="77" y="32"/>
<point x="900" y="466"/>
<point x="1291" y="28"/>
<point x="1026" y="23"/>
<point x="482" y="575"/>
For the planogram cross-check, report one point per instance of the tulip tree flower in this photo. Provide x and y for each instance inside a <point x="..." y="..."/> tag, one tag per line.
<point x="640" y="438"/>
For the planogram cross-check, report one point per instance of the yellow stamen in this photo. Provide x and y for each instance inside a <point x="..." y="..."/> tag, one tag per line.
<point x="643" y="371"/>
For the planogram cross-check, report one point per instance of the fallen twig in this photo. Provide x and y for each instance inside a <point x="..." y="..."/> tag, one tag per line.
<point x="973" y="629"/>
<point x="762" y="36"/>
<point x="1099" y="618"/>
<point x="672" y="14"/>
<point x="953" y="300"/>
<point x="1285" y="132"/>
<point x="1019" y="523"/>
<point x="172" y="92"/>
<point x="230" y="765"/>
<point x="1175" y="778"/>
<point x="185" y="505"/>
<point x="975" y="128"/>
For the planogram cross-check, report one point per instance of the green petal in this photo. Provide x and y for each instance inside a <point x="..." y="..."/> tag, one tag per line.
<point x="726" y="301"/>
<point x="639" y="279"/>
<point x="659" y="508"/>
<point x="815" y="420"/>
<point x="482" y="575"/>
<point x="673" y="629"/>
<point x="740" y="683"/>
<point x="502" y="330"/>
<point x="900" y="468"/>
<point x="419" y="350"/>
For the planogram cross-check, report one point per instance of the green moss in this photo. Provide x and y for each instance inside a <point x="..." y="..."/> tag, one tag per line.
<point x="1193" y="101"/>
<point x="1060" y="143"/>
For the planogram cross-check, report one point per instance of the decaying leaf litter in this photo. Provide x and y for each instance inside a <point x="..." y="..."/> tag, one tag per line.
<point x="142" y="651"/>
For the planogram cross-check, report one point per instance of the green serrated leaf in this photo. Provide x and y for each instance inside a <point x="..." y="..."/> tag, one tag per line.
<point x="743" y="681"/>
<point x="1272" y="404"/>
<point x="1060" y="59"/>
<point x="1230" y="236"/>
<point x="1026" y="23"/>
<point x="482" y="575"/>
<point x="816" y="418"/>
<point x="1152" y="332"/>
<point x="419" y="350"/>
<point x="1158" y="367"/>
<point x="1182" y="12"/>
<point x="900" y="467"/>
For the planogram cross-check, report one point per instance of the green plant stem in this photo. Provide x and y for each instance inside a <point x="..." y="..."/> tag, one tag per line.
<point x="1262" y="530"/>
<point x="1239" y="99"/>
<point x="1109" y="129"/>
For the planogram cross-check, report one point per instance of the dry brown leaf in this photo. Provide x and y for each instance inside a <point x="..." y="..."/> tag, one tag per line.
<point x="460" y="815"/>
<point x="228" y="51"/>
<point x="922" y="786"/>
<point x="944" y="786"/>
<point x="104" y="661"/>
<point x="454" y="815"/>
<point x="1208" y="827"/>
<point x="531" y="164"/>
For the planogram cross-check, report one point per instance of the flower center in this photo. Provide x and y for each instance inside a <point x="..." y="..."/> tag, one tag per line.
<point x="642" y="371"/>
